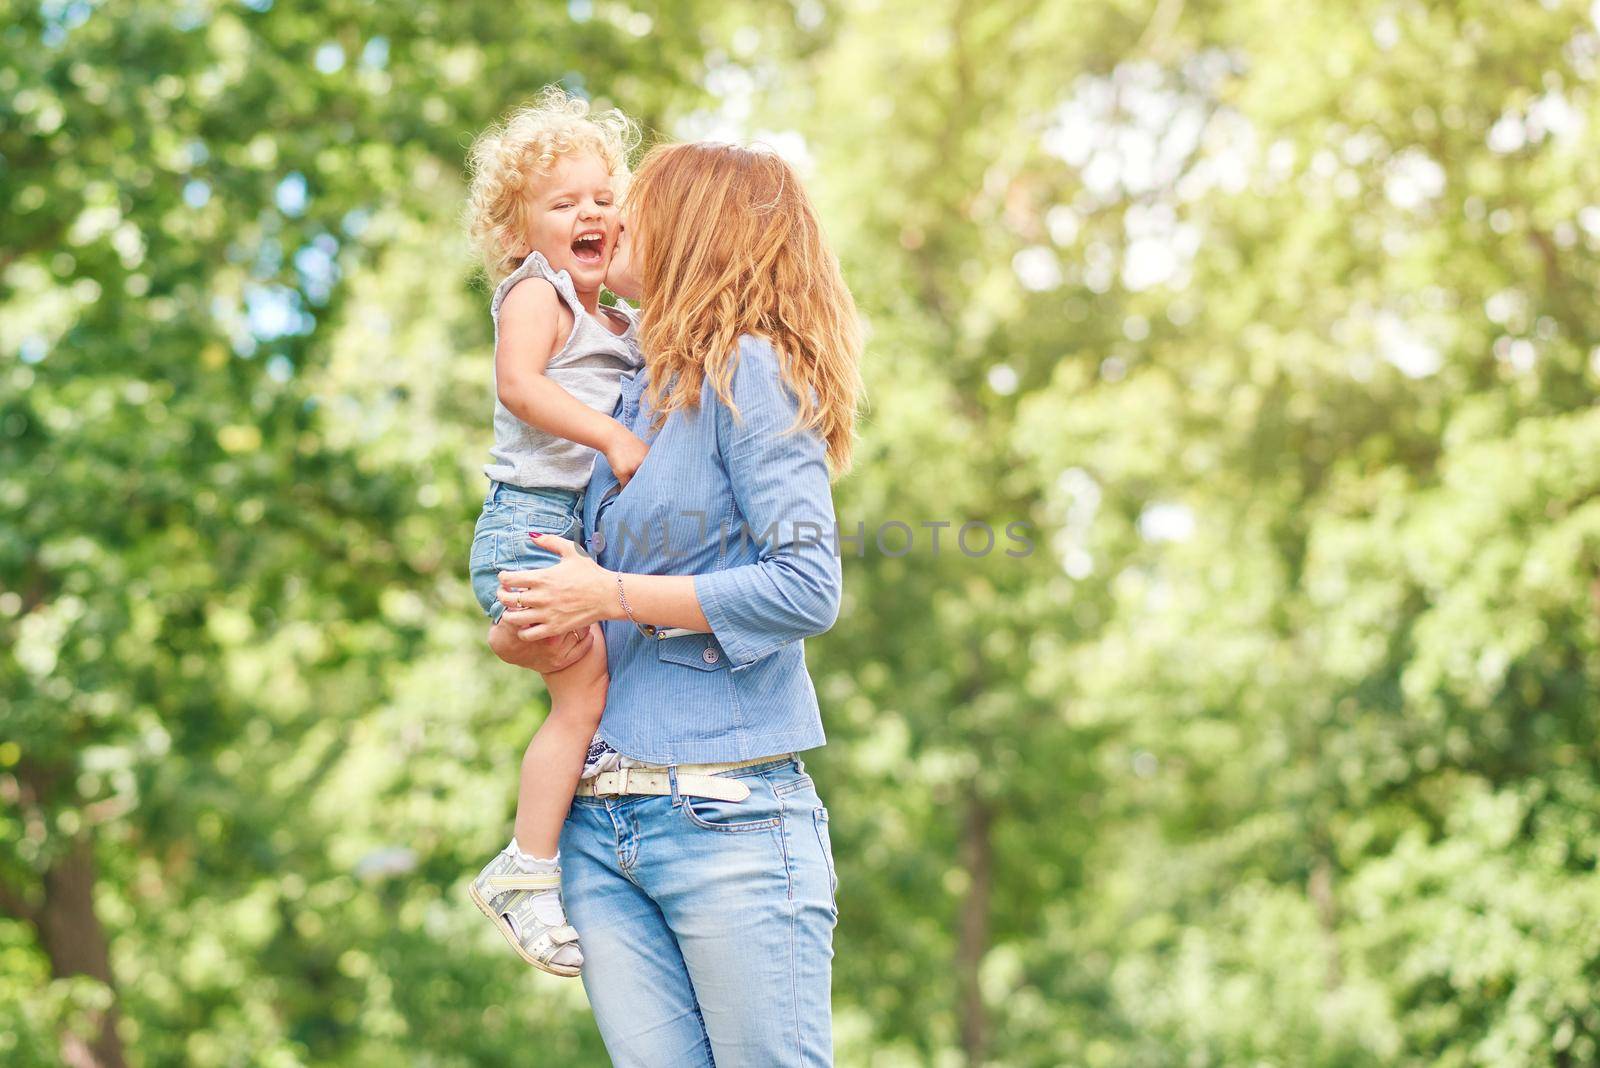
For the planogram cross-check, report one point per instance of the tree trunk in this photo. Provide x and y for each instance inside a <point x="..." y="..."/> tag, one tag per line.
<point x="977" y="856"/>
<point x="1319" y="887"/>
<point x="69" y="931"/>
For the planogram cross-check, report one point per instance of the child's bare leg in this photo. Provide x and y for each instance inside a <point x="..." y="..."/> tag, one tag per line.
<point x="554" y="758"/>
<point x="518" y="889"/>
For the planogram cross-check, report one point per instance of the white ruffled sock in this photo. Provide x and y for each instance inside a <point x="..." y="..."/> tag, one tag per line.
<point x="546" y="903"/>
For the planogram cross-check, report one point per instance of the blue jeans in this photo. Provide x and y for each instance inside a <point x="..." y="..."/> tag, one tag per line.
<point x="707" y="926"/>
<point x="500" y="540"/>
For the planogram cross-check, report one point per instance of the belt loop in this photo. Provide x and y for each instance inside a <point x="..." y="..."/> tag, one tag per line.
<point x="799" y="765"/>
<point x="672" y="779"/>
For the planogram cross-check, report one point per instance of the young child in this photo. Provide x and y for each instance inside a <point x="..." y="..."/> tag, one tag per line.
<point x="543" y="213"/>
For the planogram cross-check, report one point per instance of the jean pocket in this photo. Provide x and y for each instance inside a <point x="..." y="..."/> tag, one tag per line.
<point x="819" y="818"/>
<point x="791" y="782"/>
<point x="484" y="576"/>
<point x="518" y="552"/>
<point x="761" y="811"/>
<point x="542" y="521"/>
<point x="483" y="550"/>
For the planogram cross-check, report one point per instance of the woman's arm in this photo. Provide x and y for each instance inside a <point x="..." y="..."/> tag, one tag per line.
<point x="779" y="480"/>
<point x="578" y="591"/>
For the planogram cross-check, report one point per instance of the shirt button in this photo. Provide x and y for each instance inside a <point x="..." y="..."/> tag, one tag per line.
<point x="710" y="656"/>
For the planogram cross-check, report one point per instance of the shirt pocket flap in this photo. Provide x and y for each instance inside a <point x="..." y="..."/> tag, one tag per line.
<point x="699" y="651"/>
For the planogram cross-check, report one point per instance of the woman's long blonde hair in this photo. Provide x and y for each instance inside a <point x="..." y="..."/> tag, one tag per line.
<point x="729" y="245"/>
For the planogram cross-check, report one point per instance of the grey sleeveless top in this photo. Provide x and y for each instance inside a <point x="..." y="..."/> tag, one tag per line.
<point x="589" y="366"/>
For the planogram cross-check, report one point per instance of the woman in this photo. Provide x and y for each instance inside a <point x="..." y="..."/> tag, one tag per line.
<point x="702" y="884"/>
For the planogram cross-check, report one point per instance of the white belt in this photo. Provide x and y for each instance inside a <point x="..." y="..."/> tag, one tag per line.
<point x="696" y="780"/>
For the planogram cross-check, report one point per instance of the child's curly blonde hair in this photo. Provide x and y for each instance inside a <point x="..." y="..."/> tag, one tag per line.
<point x="508" y="159"/>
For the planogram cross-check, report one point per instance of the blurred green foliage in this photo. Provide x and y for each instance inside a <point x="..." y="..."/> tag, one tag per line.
<point x="1275" y="324"/>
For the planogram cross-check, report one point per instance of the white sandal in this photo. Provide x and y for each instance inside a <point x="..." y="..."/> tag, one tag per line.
<point x="505" y="893"/>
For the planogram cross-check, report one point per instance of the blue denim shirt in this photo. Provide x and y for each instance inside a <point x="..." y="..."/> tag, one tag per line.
<point x="743" y="504"/>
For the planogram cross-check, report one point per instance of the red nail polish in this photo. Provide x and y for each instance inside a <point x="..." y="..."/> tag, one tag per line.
<point x="533" y="534"/>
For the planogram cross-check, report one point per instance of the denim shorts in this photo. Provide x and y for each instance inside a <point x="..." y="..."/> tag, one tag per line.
<point x="500" y="541"/>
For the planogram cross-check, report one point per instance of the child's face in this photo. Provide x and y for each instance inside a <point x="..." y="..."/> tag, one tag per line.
<point x="574" y="220"/>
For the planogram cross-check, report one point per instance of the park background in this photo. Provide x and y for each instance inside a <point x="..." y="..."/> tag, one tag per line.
<point x="1275" y="321"/>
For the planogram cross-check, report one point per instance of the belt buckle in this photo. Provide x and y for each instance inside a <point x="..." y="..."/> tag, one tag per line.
<point x="622" y="781"/>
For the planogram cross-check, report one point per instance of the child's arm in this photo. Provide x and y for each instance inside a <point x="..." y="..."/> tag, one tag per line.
<point x="530" y="317"/>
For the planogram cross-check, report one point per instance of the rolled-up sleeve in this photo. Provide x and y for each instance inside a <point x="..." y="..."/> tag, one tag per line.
<point x="779" y="480"/>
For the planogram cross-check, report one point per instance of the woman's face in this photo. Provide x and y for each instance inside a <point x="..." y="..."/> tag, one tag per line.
<point x="622" y="275"/>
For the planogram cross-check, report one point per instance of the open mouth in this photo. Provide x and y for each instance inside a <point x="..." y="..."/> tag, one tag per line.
<point x="589" y="246"/>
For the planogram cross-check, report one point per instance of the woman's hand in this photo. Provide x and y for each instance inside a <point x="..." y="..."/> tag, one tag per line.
<point x="545" y="657"/>
<point x="569" y="596"/>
